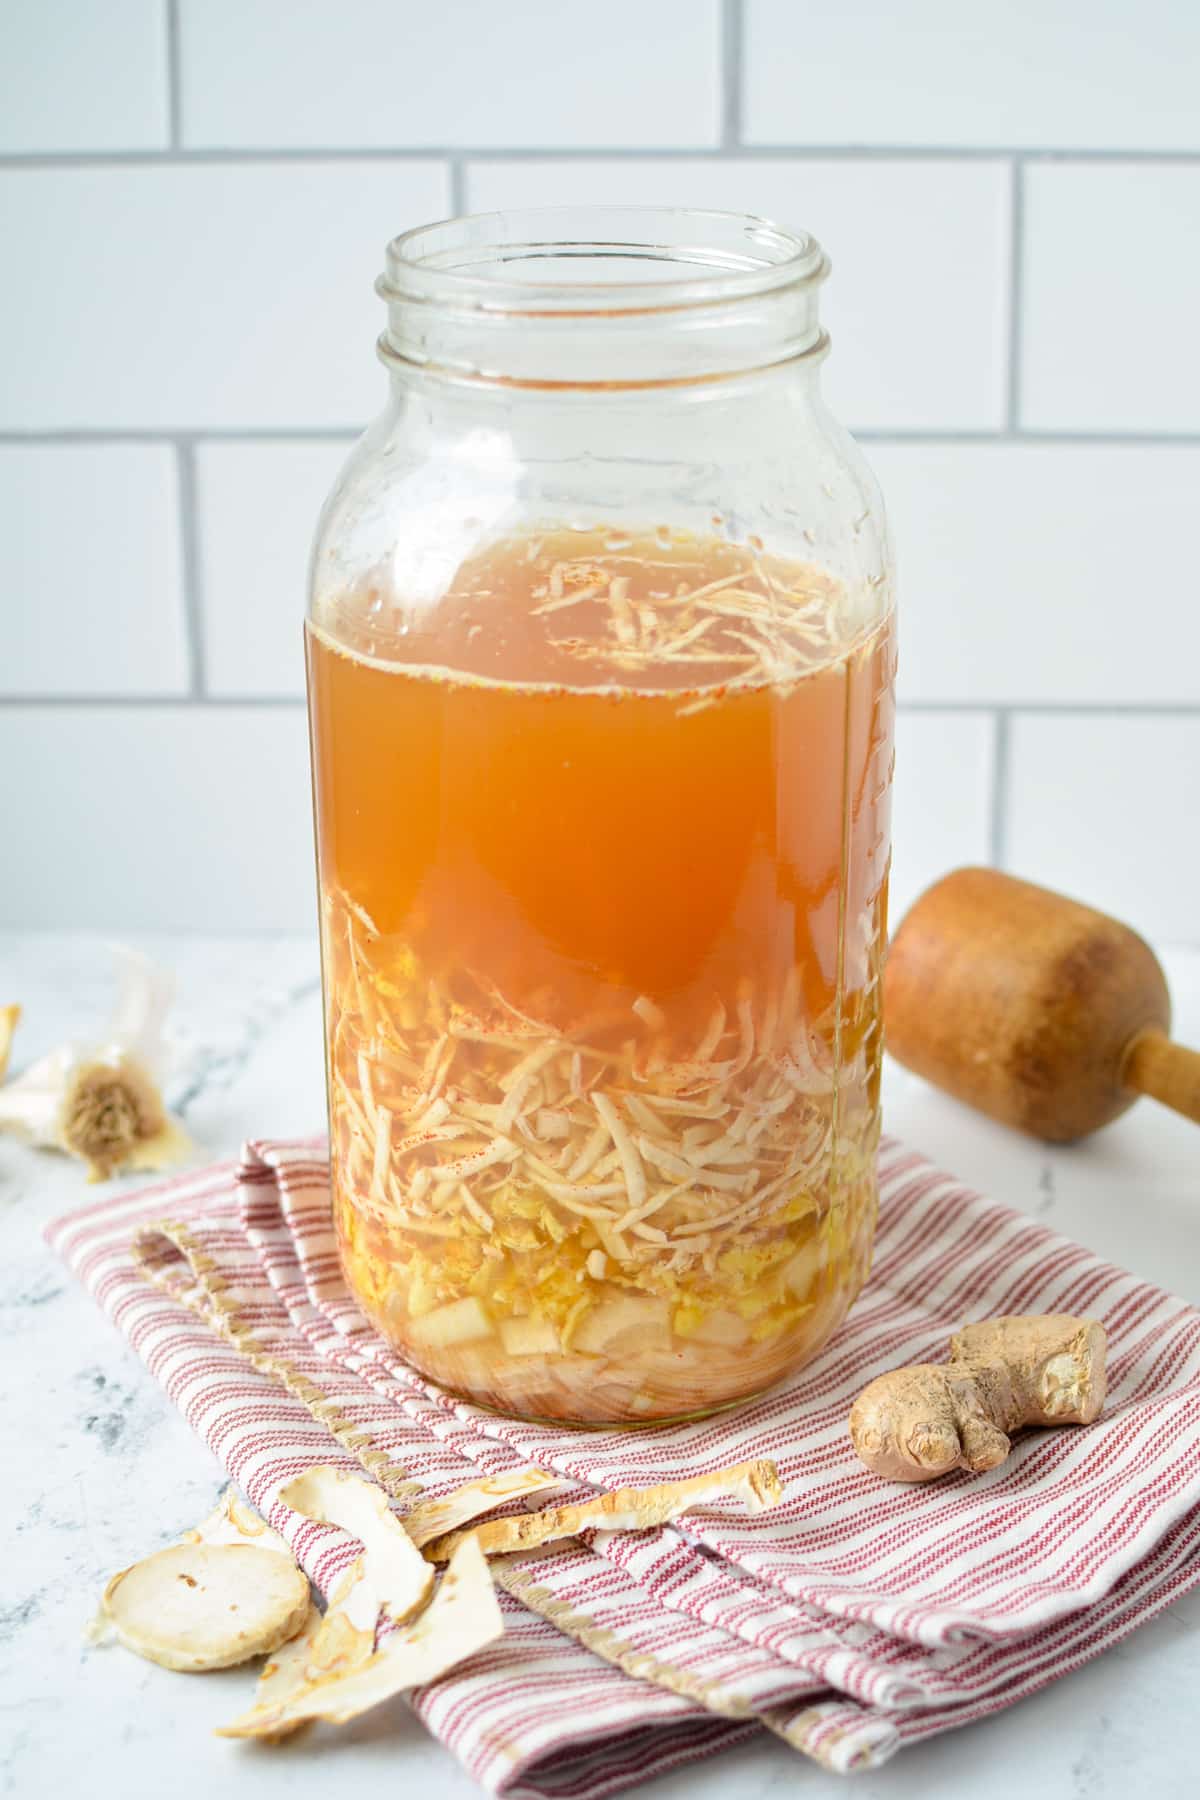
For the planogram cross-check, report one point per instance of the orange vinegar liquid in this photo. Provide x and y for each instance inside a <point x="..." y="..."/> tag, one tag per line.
<point x="541" y="837"/>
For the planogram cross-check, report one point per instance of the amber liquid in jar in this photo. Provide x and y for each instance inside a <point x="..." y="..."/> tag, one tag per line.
<point x="603" y="860"/>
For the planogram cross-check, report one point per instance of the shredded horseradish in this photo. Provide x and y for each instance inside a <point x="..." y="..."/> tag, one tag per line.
<point x="667" y="1202"/>
<point x="746" y="622"/>
<point x="599" y="1219"/>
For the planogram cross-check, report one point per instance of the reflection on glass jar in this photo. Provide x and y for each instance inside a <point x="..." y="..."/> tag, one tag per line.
<point x="600" y="667"/>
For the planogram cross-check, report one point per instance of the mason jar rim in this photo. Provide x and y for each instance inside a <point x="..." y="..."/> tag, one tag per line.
<point x="694" y="257"/>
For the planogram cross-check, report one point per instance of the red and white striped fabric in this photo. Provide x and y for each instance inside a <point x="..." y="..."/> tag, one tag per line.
<point x="853" y="1619"/>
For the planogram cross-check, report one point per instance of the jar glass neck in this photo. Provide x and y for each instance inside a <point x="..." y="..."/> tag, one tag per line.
<point x="600" y="298"/>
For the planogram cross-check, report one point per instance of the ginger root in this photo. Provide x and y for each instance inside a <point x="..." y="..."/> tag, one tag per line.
<point x="918" y="1423"/>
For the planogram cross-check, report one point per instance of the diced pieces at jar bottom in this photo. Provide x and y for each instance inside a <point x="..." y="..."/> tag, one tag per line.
<point x="630" y="1356"/>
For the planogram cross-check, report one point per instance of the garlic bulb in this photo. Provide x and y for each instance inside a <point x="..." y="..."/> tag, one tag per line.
<point x="102" y="1102"/>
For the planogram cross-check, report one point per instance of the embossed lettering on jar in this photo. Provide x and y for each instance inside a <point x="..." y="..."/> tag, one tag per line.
<point x="601" y="651"/>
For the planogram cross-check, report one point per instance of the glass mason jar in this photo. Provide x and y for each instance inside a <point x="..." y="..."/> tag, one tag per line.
<point x="600" y="664"/>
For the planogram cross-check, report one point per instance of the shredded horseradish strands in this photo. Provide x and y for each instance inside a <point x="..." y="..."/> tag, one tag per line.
<point x="618" y="615"/>
<point x="534" y="1213"/>
<point x="748" y="626"/>
<point x="603" y="856"/>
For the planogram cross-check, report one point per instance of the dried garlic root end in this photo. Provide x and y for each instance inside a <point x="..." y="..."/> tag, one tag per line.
<point x="757" y="1484"/>
<point x="195" y="1607"/>
<point x="918" y="1423"/>
<point x="112" y="1117"/>
<point x="9" y="1019"/>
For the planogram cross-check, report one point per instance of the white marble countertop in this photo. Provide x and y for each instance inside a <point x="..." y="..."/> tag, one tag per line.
<point x="99" y="1469"/>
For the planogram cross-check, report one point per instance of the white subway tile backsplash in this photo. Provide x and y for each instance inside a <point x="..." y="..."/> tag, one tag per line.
<point x="1104" y="807"/>
<point x="85" y="76"/>
<point x="200" y="296"/>
<point x="187" y="817"/>
<point x="93" y="601"/>
<point x="941" y="805"/>
<point x="258" y="506"/>
<point x="1112" y="274"/>
<point x="1038" y="572"/>
<point x="371" y="74"/>
<point x="194" y="228"/>
<point x="917" y="303"/>
<point x="1074" y="74"/>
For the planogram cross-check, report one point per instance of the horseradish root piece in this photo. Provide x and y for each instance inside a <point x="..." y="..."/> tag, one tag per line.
<point x="462" y="1618"/>
<point x="918" y="1423"/>
<point x="207" y="1606"/>
<point x="233" y="1522"/>
<point x="398" y="1577"/>
<point x="430" y="1519"/>
<point x="285" y="1671"/>
<point x="628" y="1509"/>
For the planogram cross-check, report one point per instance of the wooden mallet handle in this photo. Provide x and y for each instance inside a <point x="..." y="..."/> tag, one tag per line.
<point x="1168" y="1072"/>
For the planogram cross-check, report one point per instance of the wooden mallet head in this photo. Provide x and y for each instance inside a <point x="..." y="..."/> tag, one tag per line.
<point x="1042" y="1013"/>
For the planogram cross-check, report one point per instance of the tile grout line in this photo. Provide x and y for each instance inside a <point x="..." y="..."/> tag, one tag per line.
<point x="458" y="187"/>
<point x="1063" y="709"/>
<point x="499" y="153"/>
<point x="346" y="434"/>
<point x="194" y="702"/>
<point x="1016" y="295"/>
<point x="174" y="76"/>
<point x="182" y="437"/>
<point x="1001" y="752"/>
<point x="732" y="27"/>
<point x="191" y="572"/>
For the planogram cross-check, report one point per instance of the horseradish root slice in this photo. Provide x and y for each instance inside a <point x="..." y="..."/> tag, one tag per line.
<point x="396" y="1576"/>
<point x="390" y="1578"/>
<point x="285" y="1671"/>
<point x="430" y="1519"/>
<point x="233" y="1522"/>
<point x="462" y="1618"/>
<point x="628" y="1509"/>
<point x="207" y="1606"/>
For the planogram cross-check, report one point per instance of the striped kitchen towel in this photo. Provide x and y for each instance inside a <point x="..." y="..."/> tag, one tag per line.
<point x="856" y="1617"/>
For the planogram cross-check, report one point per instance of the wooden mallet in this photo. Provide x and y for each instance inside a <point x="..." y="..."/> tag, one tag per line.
<point x="1036" y="1010"/>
